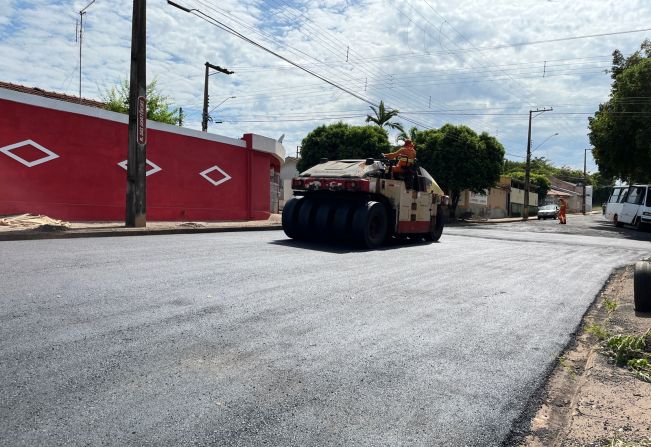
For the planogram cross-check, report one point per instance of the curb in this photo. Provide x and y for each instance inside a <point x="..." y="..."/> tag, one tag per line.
<point x="481" y="222"/>
<point x="74" y="234"/>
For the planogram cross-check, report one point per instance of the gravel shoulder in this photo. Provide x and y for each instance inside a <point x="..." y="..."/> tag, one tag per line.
<point x="589" y="401"/>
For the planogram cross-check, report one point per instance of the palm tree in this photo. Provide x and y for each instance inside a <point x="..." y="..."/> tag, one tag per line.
<point x="382" y="117"/>
<point x="412" y="135"/>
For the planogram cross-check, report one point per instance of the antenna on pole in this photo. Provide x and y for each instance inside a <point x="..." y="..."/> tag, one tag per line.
<point x="80" y="34"/>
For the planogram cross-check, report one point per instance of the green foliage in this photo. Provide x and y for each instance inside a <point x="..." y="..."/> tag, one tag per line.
<point x="159" y="107"/>
<point x="412" y="135"/>
<point x="383" y="116"/>
<point x="460" y="159"/>
<point x="569" y="368"/>
<point x="633" y="352"/>
<point x="623" y="348"/>
<point x="598" y="331"/>
<point x="539" y="182"/>
<point x="542" y="169"/>
<point x="618" y="442"/>
<point x="539" y="165"/>
<point x="340" y="141"/>
<point x="620" y="130"/>
<point x="610" y="305"/>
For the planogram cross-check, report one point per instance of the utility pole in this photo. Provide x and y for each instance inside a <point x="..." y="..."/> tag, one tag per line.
<point x="81" y="32"/>
<point x="180" y="116"/>
<point x="204" y="120"/>
<point x="527" y="172"/>
<point x="136" y="209"/>
<point x="585" y="177"/>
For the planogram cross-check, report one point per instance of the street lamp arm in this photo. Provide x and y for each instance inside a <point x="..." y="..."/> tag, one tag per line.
<point x="545" y="141"/>
<point x="182" y="8"/>
<point x="226" y="99"/>
<point x="83" y="11"/>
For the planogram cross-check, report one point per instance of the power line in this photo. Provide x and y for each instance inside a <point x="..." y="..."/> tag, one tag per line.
<point x="281" y="44"/>
<point x="563" y="39"/>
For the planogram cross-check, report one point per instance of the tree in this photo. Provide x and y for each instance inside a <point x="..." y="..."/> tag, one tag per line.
<point x="460" y="159"/>
<point x="412" y="135"/>
<point x="620" y="130"/>
<point x="341" y="141"/>
<point x="571" y="175"/>
<point x="159" y="107"/>
<point x="539" y="182"/>
<point x="383" y="116"/>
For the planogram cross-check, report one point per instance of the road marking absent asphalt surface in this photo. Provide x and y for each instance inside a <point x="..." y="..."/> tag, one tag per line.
<point x="250" y="339"/>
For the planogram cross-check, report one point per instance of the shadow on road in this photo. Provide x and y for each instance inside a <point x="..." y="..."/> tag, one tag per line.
<point x="625" y="232"/>
<point x="344" y="248"/>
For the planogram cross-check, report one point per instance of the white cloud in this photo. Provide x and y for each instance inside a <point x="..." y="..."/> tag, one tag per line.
<point x="401" y="51"/>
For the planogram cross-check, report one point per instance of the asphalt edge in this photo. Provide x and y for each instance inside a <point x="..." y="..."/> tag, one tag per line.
<point x="27" y="235"/>
<point x="520" y="426"/>
<point x="120" y="232"/>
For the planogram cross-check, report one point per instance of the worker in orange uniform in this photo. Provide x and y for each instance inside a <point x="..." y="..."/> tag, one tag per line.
<point x="562" y="213"/>
<point x="406" y="155"/>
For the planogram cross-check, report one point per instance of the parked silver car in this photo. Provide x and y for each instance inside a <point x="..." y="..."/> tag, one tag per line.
<point x="547" y="211"/>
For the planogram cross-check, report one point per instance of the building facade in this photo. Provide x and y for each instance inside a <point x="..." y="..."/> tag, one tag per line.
<point x="68" y="161"/>
<point x="506" y="199"/>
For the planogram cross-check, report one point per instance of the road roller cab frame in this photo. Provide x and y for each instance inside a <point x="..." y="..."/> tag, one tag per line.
<point x="364" y="202"/>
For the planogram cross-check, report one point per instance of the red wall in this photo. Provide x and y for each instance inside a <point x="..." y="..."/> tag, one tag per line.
<point x="85" y="182"/>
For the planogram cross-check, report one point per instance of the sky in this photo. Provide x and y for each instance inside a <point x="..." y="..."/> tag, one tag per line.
<point x="480" y="63"/>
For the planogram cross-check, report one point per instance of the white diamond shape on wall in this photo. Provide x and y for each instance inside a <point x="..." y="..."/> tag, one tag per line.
<point x="50" y="155"/>
<point x="154" y="167"/>
<point x="205" y="173"/>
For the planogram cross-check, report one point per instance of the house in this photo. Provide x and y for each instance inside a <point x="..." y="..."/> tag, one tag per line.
<point x="571" y="192"/>
<point x="287" y="172"/>
<point x="506" y="199"/>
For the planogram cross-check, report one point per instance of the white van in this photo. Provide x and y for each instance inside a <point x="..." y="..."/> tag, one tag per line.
<point x="635" y="207"/>
<point x="615" y="203"/>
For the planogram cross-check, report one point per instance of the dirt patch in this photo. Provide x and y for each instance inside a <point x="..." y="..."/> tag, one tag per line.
<point x="32" y="222"/>
<point x="588" y="400"/>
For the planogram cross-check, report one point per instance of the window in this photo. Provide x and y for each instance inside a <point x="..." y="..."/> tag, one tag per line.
<point x="636" y="195"/>
<point x="614" y="197"/>
<point x="640" y="200"/>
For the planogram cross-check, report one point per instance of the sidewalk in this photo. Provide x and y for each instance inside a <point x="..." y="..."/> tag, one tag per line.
<point x="473" y="221"/>
<point x="109" y="229"/>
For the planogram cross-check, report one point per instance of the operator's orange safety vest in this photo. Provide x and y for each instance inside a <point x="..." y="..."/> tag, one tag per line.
<point x="406" y="156"/>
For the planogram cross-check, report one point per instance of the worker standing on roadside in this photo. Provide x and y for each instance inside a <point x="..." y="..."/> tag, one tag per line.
<point x="406" y="156"/>
<point x="562" y="213"/>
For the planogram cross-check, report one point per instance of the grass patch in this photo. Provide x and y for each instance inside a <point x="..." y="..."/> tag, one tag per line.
<point x="631" y="351"/>
<point x="610" y="305"/>
<point x="567" y="366"/>
<point x="617" y="442"/>
<point x="598" y="331"/>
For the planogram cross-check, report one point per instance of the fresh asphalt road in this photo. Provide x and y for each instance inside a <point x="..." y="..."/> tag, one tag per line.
<point x="248" y="339"/>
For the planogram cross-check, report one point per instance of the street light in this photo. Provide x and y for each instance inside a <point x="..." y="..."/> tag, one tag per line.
<point x="81" y="33"/>
<point x="210" y="117"/>
<point x="204" y="120"/>
<point x="527" y="171"/>
<point x="585" y="176"/>
<point x="225" y="99"/>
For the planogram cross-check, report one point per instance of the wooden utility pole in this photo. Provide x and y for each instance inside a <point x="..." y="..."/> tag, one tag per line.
<point x="527" y="171"/>
<point x="205" y="117"/>
<point x="136" y="210"/>
<point x="585" y="178"/>
<point x="81" y="38"/>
